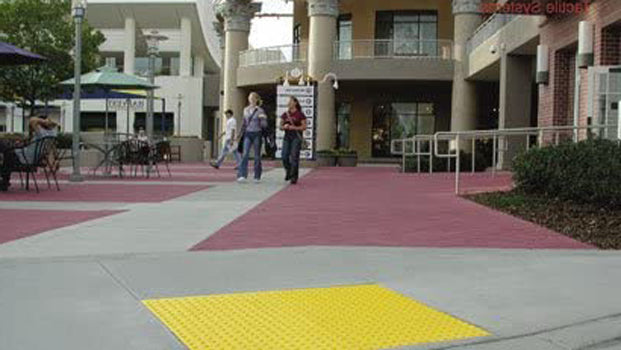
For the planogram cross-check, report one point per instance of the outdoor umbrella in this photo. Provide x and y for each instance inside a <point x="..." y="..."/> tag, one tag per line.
<point x="11" y="55"/>
<point x="108" y="78"/>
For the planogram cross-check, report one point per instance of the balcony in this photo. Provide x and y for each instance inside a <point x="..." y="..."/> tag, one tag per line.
<point x="394" y="49"/>
<point x="273" y="55"/>
<point x="425" y="60"/>
<point x="488" y="28"/>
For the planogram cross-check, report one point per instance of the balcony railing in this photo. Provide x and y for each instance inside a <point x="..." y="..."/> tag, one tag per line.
<point x="273" y="55"/>
<point x="412" y="49"/>
<point x="488" y="28"/>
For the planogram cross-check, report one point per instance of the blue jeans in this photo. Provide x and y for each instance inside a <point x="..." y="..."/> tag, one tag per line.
<point x="251" y="139"/>
<point x="291" y="155"/>
<point x="226" y="149"/>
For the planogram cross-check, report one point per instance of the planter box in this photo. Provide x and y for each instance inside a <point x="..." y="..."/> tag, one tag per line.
<point x="348" y="161"/>
<point x="326" y="161"/>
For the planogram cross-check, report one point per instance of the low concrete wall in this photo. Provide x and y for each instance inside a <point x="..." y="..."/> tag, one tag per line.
<point x="89" y="158"/>
<point x="191" y="148"/>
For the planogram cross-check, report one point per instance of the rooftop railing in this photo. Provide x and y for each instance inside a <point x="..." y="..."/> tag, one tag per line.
<point x="402" y="49"/>
<point x="488" y="28"/>
<point x="273" y="55"/>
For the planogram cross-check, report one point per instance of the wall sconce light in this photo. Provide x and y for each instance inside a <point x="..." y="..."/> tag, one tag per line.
<point x="543" y="72"/>
<point x="585" y="44"/>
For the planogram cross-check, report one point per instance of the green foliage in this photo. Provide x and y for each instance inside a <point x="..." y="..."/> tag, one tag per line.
<point x="327" y="153"/>
<point x="586" y="172"/>
<point x="64" y="140"/>
<point x="345" y="152"/>
<point x="44" y="27"/>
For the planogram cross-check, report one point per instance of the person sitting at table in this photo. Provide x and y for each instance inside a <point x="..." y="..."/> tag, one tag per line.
<point x="39" y="127"/>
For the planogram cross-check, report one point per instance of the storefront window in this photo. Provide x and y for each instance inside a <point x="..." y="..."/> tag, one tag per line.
<point x="342" y="127"/>
<point x="392" y="121"/>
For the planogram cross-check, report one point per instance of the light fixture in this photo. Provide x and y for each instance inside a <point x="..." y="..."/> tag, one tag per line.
<point x="335" y="85"/>
<point x="543" y="72"/>
<point x="585" y="44"/>
<point x="78" y="8"/>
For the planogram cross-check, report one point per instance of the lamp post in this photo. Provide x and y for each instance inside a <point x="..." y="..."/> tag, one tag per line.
<point x="179" y="98"/>
<point x="153" y="47"/>
<point x="79" y="10"/>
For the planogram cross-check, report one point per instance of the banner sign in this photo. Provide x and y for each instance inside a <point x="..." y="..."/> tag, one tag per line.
<point x="121" y="104"/>
<point x="306" y="96"/>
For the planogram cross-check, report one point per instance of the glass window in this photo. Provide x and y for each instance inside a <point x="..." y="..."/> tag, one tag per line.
<point x="399" y="120"/>
<point x="345" y="37"/>
<point x="406" y="33"/>
<point x="342" y="127"/>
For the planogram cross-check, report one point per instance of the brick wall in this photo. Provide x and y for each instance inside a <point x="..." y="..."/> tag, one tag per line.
<point x="560" y="34"/>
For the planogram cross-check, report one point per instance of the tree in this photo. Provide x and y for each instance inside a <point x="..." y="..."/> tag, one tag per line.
<point x="46" y="28"/>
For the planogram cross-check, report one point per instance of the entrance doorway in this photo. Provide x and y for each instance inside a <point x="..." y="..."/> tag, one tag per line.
<point x="392" y="121"/>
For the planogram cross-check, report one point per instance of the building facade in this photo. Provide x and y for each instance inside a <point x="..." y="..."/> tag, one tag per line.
<point x="187" y="69"/>
<point x="407" y="67"/>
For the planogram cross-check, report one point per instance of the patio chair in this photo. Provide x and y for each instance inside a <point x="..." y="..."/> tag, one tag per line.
<point x="51" y="163"/>
<point x="32" y="157"/>
<point x="162" y="154"/>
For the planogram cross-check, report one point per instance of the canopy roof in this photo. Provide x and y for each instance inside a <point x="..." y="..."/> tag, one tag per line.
<point x="108" y="78"/>
<point x="11" y="55"/>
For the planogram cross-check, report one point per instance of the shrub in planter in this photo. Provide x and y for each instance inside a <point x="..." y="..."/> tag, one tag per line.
<point x="347" y="158"/>
<point x="326" y="158"/>
<point x="587" y="172"/>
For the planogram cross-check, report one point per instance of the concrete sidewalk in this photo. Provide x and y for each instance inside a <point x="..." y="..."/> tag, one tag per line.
<point x="543" y="300"/>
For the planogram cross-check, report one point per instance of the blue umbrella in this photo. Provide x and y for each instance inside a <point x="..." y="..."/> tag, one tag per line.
<point x="11" y="55"/>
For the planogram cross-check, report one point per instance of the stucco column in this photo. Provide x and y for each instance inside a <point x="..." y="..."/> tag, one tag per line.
<point x="185" y="52"/>
<point x="514" y="103"/>
<point x="237" y="15"/>
<point x="129" y="49"/>
<point x="464" y="110"/>
<point x="323" y="15"/>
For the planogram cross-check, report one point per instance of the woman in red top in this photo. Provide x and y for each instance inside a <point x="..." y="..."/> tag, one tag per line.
<point x="293" y="122"/>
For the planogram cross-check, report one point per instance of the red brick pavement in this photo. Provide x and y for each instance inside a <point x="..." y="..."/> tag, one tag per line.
<point x="380" y="207"/>
<point x="97" y="192"/>
<point x="18" y="223"/>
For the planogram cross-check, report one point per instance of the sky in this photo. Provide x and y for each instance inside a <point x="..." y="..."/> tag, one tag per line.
<point x="270" y="31"/>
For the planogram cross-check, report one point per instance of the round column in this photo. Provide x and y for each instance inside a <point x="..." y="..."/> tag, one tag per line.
<point x="323" y="15"/>
<point x="464" y="109"/>
<point x="237" y="15"/>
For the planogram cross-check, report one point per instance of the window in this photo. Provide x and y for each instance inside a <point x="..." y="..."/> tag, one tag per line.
<point x="400" y="120"/>
<point x="342" y="127"/>
<point x="165" y="65"/>
<point x="297" y="33"/>
<point x="344" y="32"/>
<point x="406" y="33"/>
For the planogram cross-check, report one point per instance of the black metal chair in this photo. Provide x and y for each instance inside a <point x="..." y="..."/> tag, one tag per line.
<point x="32" y="157"/>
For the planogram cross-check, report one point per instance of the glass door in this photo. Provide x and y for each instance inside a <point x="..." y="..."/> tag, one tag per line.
<point x="393" y="121"/>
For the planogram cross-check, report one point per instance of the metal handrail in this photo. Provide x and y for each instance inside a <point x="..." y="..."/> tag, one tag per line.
<point x="388" y="48"/>
<point x="273" y="55"/>
<point x="400" y="147"/>
<point x="498" y="137"/>
<point x="488" y="28"/>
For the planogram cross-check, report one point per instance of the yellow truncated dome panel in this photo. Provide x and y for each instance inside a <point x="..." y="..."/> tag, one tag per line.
<point x="348" y="317"/>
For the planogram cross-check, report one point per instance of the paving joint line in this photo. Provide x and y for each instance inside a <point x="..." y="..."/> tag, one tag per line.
<point x="536" y="333"/>
<point x="118" y="281"/>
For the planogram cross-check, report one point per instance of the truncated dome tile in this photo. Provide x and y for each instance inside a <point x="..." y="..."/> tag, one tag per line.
<point x="346" y="317"/>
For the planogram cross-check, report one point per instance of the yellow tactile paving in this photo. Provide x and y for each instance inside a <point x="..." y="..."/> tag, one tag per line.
<point x="348" y="317"/>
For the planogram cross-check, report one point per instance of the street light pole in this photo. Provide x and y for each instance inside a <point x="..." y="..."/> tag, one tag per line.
<point x="153" y="40"/>
<point x="79" y="10"/>
<point x="179" y="97"/>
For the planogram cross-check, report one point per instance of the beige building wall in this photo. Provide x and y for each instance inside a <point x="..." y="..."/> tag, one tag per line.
<point x="363" y="15"/>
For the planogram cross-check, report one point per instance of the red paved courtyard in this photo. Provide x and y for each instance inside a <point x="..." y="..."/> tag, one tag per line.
<point x="97" y="192"/>
<point x="380" y="207"/>
<point x="17" y="223"/>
